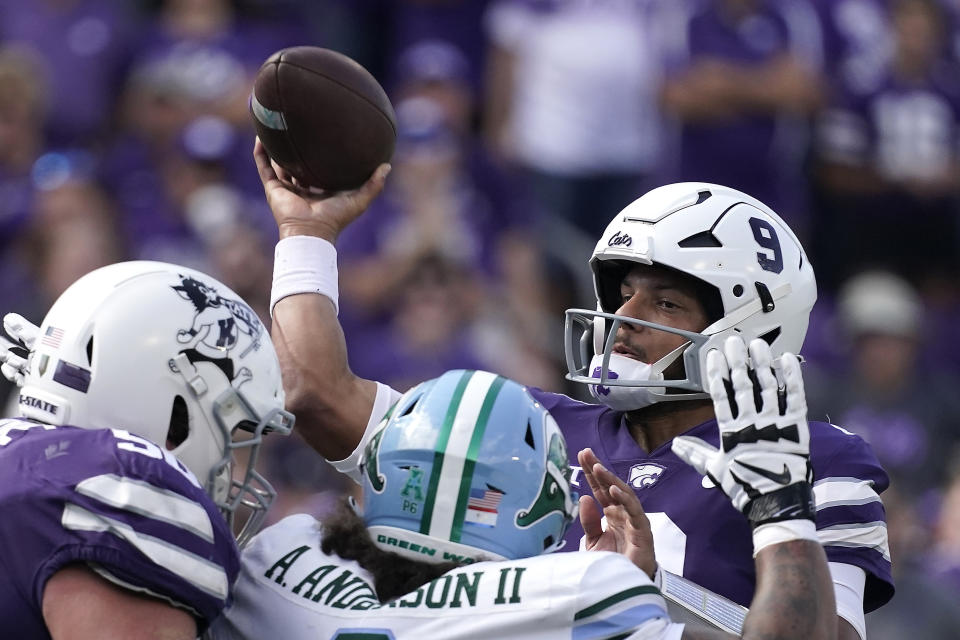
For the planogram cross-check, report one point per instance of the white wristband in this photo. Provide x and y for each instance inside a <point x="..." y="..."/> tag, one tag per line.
<point x="785" y="531"/>
<point x="304" y="264"/>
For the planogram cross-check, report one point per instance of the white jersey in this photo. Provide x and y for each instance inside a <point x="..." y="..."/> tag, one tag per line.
<point x="289" y="588"/>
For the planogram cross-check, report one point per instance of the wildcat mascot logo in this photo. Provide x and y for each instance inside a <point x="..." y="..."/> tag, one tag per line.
<point x="222" y="329"/>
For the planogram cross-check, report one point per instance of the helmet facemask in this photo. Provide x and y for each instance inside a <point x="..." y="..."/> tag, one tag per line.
<point x="589" y="359"/>
<point x="234" y="482"/>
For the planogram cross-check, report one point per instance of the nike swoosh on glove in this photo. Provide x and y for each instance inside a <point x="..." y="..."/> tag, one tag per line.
<point x="15" y="357"/>
<point x="763" y="463"/>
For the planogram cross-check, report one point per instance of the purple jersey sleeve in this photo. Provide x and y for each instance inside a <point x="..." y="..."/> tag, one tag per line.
<point x="851" y="522"/>
<point x="699" y="534"/>
<point x="114" y="502"/>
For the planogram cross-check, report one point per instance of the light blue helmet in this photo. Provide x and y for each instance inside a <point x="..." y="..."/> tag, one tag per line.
<point x="467" y="467"/>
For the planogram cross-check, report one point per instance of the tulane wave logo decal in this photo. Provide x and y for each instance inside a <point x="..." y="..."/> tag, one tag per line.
<point x="554" y="494"/>
<point x="371" y="461"/>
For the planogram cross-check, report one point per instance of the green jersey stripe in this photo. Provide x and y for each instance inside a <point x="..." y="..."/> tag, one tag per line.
<point x="614" y="599"/>
<point x="466" y="480"/>
<point x="441" y="446"/>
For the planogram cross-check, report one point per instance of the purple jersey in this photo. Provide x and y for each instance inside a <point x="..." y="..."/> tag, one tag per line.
<point x="856" y="40"/>
<point x="697" y="531"/>
<point x="905" y="129"/>
<point x="114" y="501"/>
<point x="752" y="151"/>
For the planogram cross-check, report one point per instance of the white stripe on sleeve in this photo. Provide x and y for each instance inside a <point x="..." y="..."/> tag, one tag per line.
<point x="149" y="501"/>
<point x="350" y="466"/>
<point x="199" y="572"/>
<point x="833" y="492"/>
<point x="872" y="535"/>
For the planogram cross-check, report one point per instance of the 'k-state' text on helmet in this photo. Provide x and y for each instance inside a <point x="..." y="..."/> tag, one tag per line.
<point x="748" y="258"/>
<point x="169" y="354"/>
<point x="467" y="467"/>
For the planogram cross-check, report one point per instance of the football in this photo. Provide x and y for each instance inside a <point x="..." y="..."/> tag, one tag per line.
<point x="322" y="117"/>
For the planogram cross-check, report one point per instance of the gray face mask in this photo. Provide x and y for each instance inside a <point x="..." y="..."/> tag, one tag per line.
<point x="626" y="384"/>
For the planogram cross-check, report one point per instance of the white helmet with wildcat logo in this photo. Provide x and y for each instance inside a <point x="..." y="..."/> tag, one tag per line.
<point x="755" y="279"/>
<point x="169" y="354"/>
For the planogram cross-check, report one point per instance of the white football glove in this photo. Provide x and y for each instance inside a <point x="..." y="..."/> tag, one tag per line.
<point x="763" y="464"/>
<point x="15" y="357"/>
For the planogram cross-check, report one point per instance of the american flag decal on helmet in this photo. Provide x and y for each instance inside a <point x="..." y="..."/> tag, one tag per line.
<point x="52" y="337"/>
<point x="482" y="506"/>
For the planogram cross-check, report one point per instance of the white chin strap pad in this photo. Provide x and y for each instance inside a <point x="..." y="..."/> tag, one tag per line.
<point x="624" y="398"/>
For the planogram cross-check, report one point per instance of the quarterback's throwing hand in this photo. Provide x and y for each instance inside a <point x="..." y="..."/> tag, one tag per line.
<point x="763" y="463"/>
<point x="298" y="211"/>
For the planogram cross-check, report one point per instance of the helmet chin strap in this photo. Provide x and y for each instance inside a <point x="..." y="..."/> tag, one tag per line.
<point x="623" y="369"/>
<point x="181" y="365"/>
<point x="625" y="396"/>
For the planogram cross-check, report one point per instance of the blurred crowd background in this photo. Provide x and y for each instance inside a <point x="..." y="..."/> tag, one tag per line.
<point x="524" y="126"/>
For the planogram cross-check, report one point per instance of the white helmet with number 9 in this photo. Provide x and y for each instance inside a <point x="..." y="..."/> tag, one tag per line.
<point x="169" y="354"/>
<point x="755" y="278"/>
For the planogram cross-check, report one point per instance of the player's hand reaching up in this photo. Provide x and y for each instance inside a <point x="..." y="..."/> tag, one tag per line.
<point x="627" y="529"/>
<point x="15" y="357"/>
<point x="300" y="211"/>
<point x="763" y="463"/>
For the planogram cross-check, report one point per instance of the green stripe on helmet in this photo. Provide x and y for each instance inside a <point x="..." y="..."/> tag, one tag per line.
<point x="466" y="480"/>
<point x="441" y="446"/>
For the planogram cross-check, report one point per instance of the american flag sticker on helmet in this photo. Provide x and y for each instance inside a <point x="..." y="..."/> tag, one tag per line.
<point x="482" y="506"/>
<point x="52" y="337"/>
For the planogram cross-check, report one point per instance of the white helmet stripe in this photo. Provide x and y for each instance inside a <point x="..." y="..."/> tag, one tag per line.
<point x="454" y="455"/>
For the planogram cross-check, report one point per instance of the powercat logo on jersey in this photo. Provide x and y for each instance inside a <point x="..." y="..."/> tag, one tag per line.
<point x="645" y="475"/>
<point x="620" y="239"/>
<point x="222" y="329"/>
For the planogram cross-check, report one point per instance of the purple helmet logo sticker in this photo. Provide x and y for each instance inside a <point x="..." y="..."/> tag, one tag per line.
<point x="602" y="390"/>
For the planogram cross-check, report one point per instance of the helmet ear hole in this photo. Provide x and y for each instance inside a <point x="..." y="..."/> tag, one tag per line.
<point x="528" y="438"/>
<point x="771" y="335"/>
<point x="409" y="409"/>
<point x="90" y="351"/>
<point x="179" y="423"/>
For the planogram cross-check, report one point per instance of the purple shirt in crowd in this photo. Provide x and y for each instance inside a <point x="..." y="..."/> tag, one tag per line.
<point x="115" y="502"/>
<point x="905" y="129"/>
<point x="82" y="48"/>
<point x="710" y="538"/>
<point x="751" y="152"/>
<point x="856" y="40"/>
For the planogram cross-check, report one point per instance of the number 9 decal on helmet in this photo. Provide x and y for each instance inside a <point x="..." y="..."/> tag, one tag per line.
<point x="753" y="276"/>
